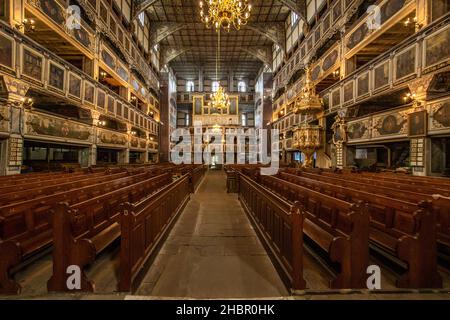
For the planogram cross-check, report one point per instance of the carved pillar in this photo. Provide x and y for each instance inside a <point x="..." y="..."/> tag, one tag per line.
<point x="13" y="106"/>
<point x="420" y="145"/>
<point x="16" y="13"/>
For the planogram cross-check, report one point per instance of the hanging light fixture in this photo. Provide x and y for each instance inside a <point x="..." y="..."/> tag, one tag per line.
<point x="225" y="13"/>
<point x="219" y="99"/>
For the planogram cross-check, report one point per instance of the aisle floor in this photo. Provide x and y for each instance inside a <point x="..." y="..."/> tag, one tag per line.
<point x="212" y="251"/>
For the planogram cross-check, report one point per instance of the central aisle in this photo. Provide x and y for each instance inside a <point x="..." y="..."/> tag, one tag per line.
<point x="212" y="251"/>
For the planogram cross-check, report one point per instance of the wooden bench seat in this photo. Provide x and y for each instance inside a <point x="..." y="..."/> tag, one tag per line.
<point x="340" y="228"/>
<point x="145" y="223"/>
<point x="391" y="220"/>
<point x="93" y="224"/>
<point x="442" y="208"/>
<point x="27" y="224"/>
<point x="49" y="188"/>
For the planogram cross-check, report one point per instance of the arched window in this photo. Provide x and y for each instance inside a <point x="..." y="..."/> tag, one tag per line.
<point x="242" y="87"/>
<point x="215" y="86"/>
<point x="141" y="18"/>
<point x="190" y="86"/>
<point x="294" y="18"/>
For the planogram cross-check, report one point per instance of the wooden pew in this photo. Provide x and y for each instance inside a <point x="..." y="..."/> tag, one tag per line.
<point x="28" y="224"/>
<point x="50" y="187"/>
<point x="280" y="227"/>
<point x="83" y="230"/>
<point x="391" y="220"/>
<point x="340" y="228"/>
<point x="9" y="257"/>
<point x="15" y="180"/>
<point x="442" y="208"/>
<point x="145" y="224"/>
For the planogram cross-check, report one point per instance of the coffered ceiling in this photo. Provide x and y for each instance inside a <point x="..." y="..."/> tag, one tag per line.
<point x="187" y="45"/>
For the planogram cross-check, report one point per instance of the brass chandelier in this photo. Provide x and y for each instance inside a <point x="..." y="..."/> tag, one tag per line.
<point x="219" y="99"/>
<point x="225" y="13"/>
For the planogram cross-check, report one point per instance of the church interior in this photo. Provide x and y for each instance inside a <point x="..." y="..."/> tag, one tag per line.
<point x="224" y="149"/>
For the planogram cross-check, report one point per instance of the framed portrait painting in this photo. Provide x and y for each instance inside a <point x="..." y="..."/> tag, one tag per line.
<point x="417" y="124"/>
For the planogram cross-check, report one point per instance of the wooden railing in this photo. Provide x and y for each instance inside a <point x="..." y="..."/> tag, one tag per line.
<point x="143" y="227"/>
<point x="280" y="225"/>
<point x="64" y="80"/>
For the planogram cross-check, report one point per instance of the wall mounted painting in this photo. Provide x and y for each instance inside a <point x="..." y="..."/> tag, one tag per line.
<point x="56" y="76"/>
<point x="89" y="92"/>
<point x="101" y="99"/>
<point x="437" y="48"/>
<point x="6" y="52"/>
<point x="381" y="75"/>
<point x="52" y="9"/>
<point x="405" y="63"/>
<point x="74" y="86"/>
<point x="417" y="124"/>
<point x="32" y="65"/>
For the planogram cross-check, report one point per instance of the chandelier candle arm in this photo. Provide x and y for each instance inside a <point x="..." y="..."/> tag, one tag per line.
<point x="225" y="13"/>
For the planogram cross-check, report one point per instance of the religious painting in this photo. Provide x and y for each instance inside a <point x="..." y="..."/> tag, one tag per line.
<point x="89" y="92"/>
<point x="112" y="138"/>
<point x="56" y="76"/>
<point x="356" y="130"/>
<point x="40" y="125"/>
<point x="336" y="98"/>
<point x="134" y="142"/>
<point x="442" y="115"/>
<point x="348" y="91"/>
<point x="103" y="12"/>
<point x="82" y="36"/>
<point x="363" y="84"/>
<point x="405" y="63"/>
<point x="326" y="23"/>
<point x="417" y="124"/>
<point x="112" y="25"/>
<point x="317" y="34"/>
<point x="110" y="104"/>
<point x="337" y="11"/>
<point x="390" y="8"/>
<point x="440" y="83"/>
<point x="6" y="52"/>
<point x="32" y="65"/>
<point x="357" y="36"/>
<point x="74" y="85"/>
<point x="390" y="125"/>
<point x="120" y="35"/>
<point x="381" y="75"/>
<point x="309" y="43"/>
<point x="326" y="101"/>
<point x="52" y="9"/>
<point x="437" y="48"/>
<point x="118" y="108"/>
<point x="315" y="73"/>
<point x="108" y="59"/>
<point x="330" y="60"/>
<point x="101" y="99"/>
<point x="233" y="106"/>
